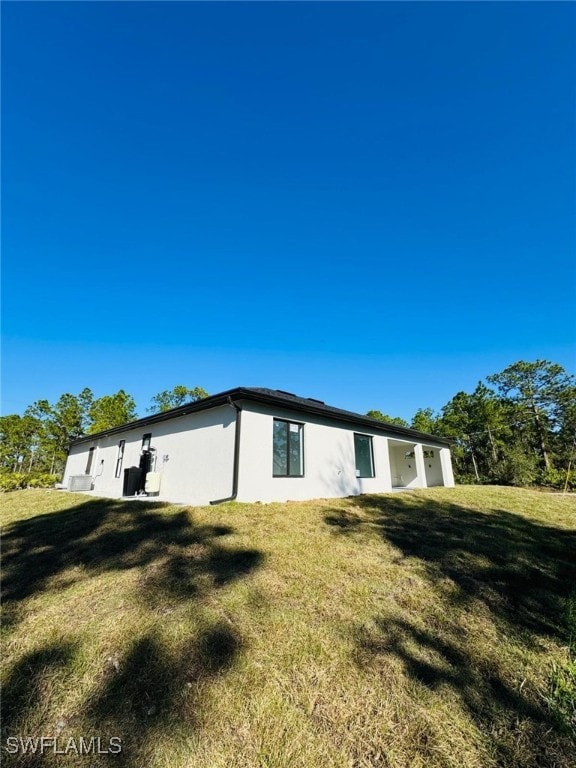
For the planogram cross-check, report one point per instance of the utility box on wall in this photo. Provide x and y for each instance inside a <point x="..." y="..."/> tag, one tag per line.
<point x="152" y="487"/>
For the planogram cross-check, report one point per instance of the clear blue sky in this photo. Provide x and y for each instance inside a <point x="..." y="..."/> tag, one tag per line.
<point x="372" y="204"/>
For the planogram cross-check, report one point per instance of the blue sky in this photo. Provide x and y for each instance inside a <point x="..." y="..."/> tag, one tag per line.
<point x="368" y="203"/>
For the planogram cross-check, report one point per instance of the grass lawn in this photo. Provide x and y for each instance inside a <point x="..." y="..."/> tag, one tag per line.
<point x="421" y="629"/>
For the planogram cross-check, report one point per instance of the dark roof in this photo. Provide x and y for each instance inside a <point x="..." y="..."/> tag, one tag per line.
<point x="273" y="397"/>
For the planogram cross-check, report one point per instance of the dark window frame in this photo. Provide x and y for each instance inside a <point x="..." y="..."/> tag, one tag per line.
<point x="90" y="460"/>
<point x="370" y="439"/>
<point x="120" y="458"/>
<point x="300" y="426"/>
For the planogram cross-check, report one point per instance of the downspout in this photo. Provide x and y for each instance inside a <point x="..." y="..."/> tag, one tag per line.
<point x="236" y="468"/>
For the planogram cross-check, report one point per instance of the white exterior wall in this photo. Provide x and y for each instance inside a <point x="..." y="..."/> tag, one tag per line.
<point x="404" y="468"/>
<point x="420" y="467"/>
<point x="433" y="466"/>
<point x="200" y="450"/>
<point x="447" y="471"/>
<point x="329" y="459"/>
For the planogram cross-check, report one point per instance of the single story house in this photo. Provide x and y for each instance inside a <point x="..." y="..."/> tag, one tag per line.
<point x="250" y="444"/>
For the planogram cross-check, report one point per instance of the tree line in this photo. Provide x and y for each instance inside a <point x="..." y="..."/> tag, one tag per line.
<point x="517" y="427"/>
<point x="36" y="442"/>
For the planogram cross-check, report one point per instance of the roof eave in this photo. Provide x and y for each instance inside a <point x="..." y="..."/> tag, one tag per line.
<point x="381" y="426"/>
<point x="213" y="401"/>
<point x="245" y="393"/>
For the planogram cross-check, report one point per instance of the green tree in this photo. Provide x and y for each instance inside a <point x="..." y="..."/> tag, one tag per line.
<point x="19" y="442"/>
<point x="70" y="416"/>
<point x="388" y="419"/>
<point x="111" y="411"/>
<point x="62" y="422"/>
<point x="425" y="420"/>
<point x="542" y="393"/>
<point x="456" y="420"/>
<point x="479" y="421"/>
<point x="518" y="467"/>
<point x="172" y="398"/>
<point x="565" y="442"/>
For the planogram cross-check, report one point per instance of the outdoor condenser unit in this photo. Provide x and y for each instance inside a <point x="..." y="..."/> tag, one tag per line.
<point x="80" y="483"/>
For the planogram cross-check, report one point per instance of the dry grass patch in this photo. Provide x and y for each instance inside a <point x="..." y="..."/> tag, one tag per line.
<point x="415" y="629"/>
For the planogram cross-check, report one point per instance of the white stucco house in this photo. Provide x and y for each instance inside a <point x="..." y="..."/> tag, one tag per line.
<point x="250" y="444"/>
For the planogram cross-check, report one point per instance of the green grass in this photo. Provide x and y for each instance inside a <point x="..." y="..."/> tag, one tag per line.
<point x="426" y="629"/>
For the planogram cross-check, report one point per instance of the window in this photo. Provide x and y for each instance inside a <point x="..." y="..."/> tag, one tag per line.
<point x="89" y="462"/>
<point x="288" y="449"/>
<point x="364" y="456"/>
<point x="120" y="458"/>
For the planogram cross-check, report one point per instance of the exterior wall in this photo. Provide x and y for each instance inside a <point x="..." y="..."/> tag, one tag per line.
<point x="433" y="466"/>
<point x="447" y="471"/>
<point x="200" y="454"/>
<point x="329" y="459"/>
<point x="420" y="468"/>
<point x="404" y="471"/>
<point x="195" y="457"/>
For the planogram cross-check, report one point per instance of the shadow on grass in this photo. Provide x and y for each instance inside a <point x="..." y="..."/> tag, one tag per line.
<point x="24" y="690"/>
<point x="157" y="688"/>
<point x="520" y="570"/>
<point x="153" y="687"/>
<point x="105" y="535"/>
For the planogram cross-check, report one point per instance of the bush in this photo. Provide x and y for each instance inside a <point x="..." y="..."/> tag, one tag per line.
<point x="465" y="478"/>
<point x="556" y="478"/>
<point x="13" y="481"/>
<point x="517" y="468"/>
<point x="43" y="481"/>
<point x="16" y="481"/>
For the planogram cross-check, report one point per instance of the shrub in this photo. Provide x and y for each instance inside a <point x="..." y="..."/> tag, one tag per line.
<point x="16" y="481"/>
<point x="556" y="478"/>
<point x="465" y="478"/>
<point x="43" y="481"/>
<point x="517" y="468"/>
<point x="13" y="481"/>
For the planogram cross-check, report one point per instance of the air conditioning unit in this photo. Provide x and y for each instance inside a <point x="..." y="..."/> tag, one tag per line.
<point x="152" y="486"/>
<point x="80" y="483"/>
